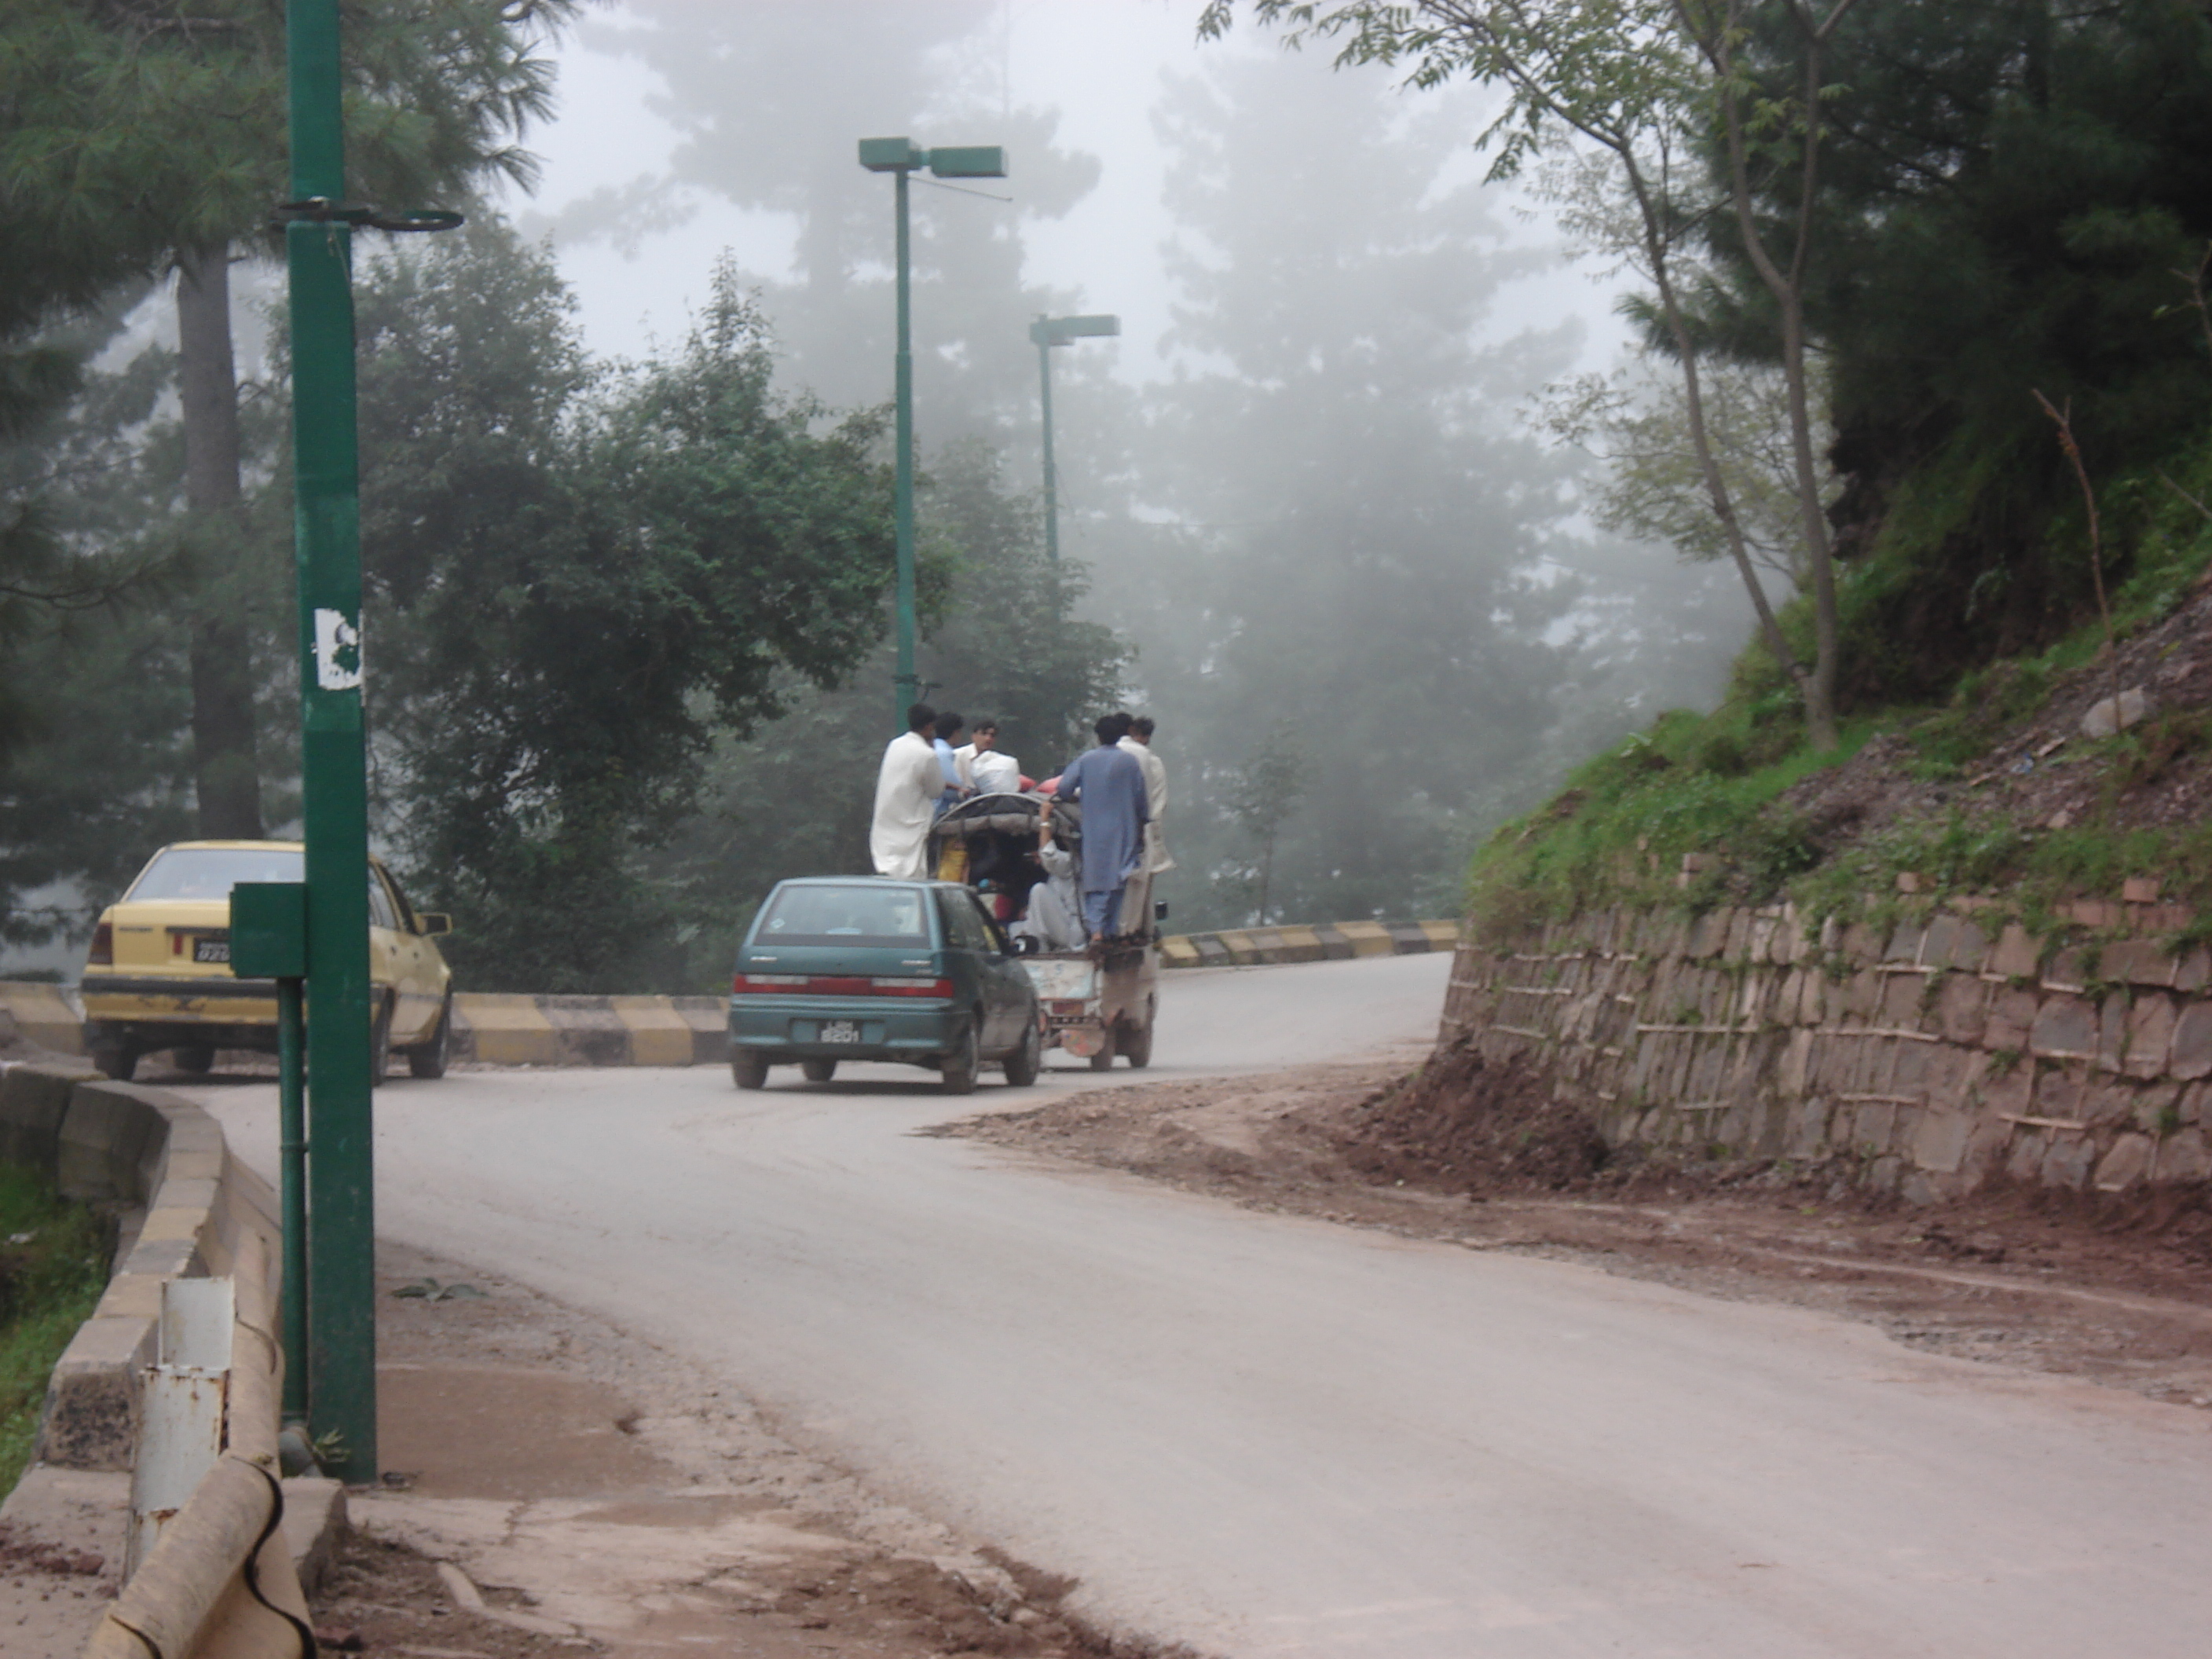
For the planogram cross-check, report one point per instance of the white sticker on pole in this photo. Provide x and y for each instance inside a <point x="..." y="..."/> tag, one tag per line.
<point x="337" y="652"/>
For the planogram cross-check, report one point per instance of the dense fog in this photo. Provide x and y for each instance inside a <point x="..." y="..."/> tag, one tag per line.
<point x="1363" y="599"/>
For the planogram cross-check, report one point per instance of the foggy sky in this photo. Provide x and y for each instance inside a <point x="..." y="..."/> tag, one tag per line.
<point x="1099" y="62"/>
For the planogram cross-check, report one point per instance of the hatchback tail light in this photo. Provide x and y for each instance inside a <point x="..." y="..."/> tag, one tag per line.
<point x="766" y="982"/>
<point x="102" y="954"/>
<point x="837" y="985"/>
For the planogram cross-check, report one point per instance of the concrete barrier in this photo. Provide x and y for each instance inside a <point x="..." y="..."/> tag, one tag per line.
<point x="497" y="1029"/>
<point x="1328" y="941"/>
<point x="219" y="1583"/>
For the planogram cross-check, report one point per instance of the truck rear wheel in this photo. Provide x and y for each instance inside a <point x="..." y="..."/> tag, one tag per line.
<point x="1135" y="1043"/>
<point x="1104" y="1060"/>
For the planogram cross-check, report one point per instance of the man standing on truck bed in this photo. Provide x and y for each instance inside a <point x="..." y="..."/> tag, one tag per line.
<point x="1139" y="743"/>
<point x="907" y="788"/>
<point x="1110" y="786"/>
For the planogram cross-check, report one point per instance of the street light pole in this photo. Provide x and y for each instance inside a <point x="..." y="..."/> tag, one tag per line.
<point x="907" y="684"/>
<point x="901" y="157"/>
<point x="1051" y="477"/>
<point x="333" y="776"/>
<point x="1046" y="333"/>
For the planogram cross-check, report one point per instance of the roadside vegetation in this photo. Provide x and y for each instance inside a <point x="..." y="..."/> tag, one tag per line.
<point x="53" y="1266"/>
<point x="1731" y="789"/>
<point x="1927" y="355"/>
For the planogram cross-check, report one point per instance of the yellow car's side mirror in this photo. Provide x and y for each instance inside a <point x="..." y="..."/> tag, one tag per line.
<point x="432" y="923"/>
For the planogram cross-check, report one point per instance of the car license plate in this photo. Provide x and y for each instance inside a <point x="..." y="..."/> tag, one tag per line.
<point x="210" y="949"/>
<point x="841" y="1030"/>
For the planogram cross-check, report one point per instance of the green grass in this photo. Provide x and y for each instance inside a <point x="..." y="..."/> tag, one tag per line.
<point x="53" y="1266"/>
<point x="1617" y="833"/>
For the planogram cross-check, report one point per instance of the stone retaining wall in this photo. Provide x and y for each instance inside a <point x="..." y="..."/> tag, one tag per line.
<point x="1933" y="1054"/>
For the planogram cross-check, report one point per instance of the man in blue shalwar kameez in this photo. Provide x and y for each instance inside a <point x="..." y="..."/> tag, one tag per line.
<point x="1110" y="785"/>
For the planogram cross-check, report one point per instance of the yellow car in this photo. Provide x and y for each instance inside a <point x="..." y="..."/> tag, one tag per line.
<point x="158" y="974"/>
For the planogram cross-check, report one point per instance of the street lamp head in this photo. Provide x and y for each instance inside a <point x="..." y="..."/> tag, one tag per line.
<point x="1058" y="331"/>
<point x="968" y="161"/>
<point x="892" y="154"/>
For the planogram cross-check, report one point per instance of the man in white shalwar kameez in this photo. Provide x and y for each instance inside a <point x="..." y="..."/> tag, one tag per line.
<point x="907" y="788"/>
<point x="1139" y="743"/>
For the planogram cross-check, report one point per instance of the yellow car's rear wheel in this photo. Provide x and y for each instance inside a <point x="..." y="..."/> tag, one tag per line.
<point x="379" y="1043"/>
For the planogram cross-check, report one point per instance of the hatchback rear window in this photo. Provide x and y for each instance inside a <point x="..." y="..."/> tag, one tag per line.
<point x="858" y="914"/>
<point x="209" y="873"/>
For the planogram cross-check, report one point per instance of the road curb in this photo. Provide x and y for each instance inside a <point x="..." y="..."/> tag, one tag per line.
<point x="160" y="1161"/>
<point x="507" y="1028"/>
<point x="1327" y="941"/>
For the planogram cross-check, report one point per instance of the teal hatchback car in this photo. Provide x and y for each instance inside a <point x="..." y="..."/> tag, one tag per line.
<point x="839" y="967"/>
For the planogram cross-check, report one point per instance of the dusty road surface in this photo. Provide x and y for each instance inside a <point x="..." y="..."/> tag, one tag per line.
<point x="1269" y="1434"/>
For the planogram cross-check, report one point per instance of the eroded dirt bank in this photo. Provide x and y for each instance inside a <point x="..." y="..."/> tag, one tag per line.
<point x="2113" y="1293"/>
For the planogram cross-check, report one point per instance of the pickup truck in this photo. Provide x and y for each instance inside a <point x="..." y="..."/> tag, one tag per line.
<point x="1096" y="1004"/>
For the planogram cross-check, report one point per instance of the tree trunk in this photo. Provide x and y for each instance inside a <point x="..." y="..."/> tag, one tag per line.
<point x="226" y="768"/>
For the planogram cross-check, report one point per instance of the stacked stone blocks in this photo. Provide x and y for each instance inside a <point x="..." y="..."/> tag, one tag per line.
<point x="1931" y="1055"/>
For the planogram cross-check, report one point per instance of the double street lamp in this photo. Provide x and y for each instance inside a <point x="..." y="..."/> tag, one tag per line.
<point x="1046" y="333"/>
<point x="901" y="157"/>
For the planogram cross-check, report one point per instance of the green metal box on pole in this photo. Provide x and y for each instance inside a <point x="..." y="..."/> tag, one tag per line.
<point x="268" y="940"/>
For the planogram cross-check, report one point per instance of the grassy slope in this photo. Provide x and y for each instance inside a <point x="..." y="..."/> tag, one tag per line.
<point x="53" y="1266"/>
<point x="1731" y="783"/>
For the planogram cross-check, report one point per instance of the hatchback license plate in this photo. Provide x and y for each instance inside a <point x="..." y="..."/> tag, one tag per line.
<point x="841" y="1030"/>
<point x="210" y="949"/>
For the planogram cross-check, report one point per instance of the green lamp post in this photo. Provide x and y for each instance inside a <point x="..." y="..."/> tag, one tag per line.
<point x="336" y="1317"/>
<point x="900" y="157"/>
<point x="1046" y="333"/>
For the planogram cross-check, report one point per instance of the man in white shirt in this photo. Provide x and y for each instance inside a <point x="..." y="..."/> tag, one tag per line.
<point x="907" y="789"/>
<point x="988" y="768"/>
<point x="1139" y="744"/>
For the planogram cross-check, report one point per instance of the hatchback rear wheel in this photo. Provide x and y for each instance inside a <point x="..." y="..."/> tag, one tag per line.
<point x="818" y="1071"/>
<point x="956" y="1075"/>
<point x="748" y="1068"/>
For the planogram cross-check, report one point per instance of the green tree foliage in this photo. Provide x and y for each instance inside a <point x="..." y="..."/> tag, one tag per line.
<point x="1345" y="529"/>
<point x="145" y="133"/>
<point x="2014" y="191"/>
<point x="1001" y="640"/>
<point x="1265" y="790"/>
<point x="583" y="588"/>
<point x="1629" y="87"/>
<point x="1653" y="487"/>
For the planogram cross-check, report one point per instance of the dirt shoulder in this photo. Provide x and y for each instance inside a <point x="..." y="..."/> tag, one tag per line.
<point x="552" y="1486"/>
<point x="2016" y="1277"/>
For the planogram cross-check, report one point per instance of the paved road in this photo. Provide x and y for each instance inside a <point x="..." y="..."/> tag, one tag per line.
<point x="1266" y="1435"/>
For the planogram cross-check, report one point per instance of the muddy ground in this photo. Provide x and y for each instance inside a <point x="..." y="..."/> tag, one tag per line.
<point x="552" y="1487"/>
<point x="2115" y="1293"/>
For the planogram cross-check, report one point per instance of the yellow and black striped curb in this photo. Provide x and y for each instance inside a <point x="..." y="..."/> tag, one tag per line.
<point x="494" y="1029"/>
<point x="1328" y="941"/>
<point x="488" y="1027"/>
